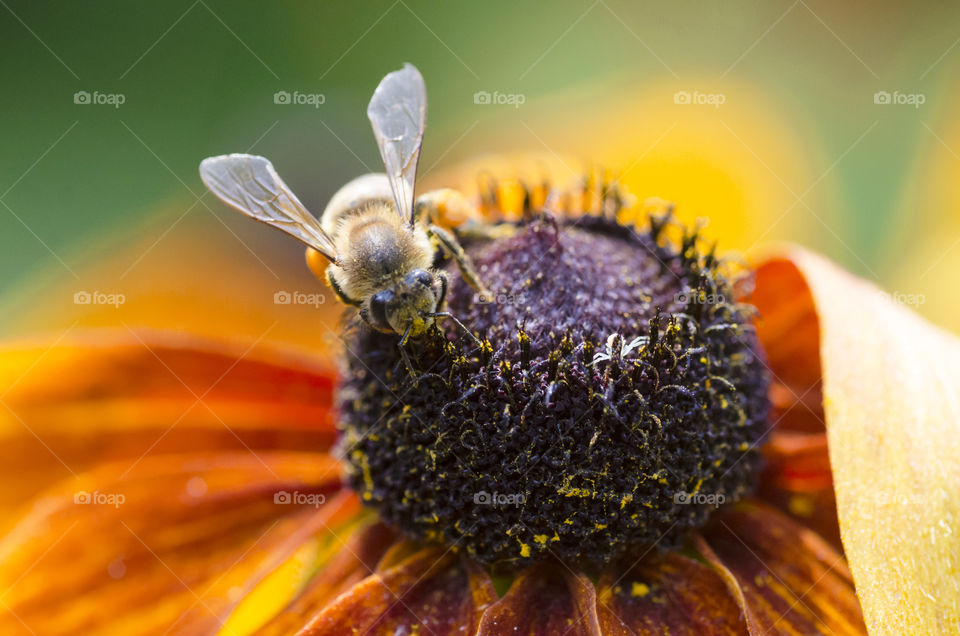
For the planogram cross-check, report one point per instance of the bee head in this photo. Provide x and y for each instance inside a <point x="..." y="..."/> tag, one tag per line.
<point x="407" y="303"/>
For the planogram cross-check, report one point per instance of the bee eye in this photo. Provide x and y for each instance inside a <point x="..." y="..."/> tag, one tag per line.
<point x="378" y="307"/>
<point x="422" y="276"/>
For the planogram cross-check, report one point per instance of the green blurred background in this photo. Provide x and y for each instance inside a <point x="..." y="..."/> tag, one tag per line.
<point x="799" y="149"/>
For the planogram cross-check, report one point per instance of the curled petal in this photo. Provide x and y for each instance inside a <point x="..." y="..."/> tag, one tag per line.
<point x="891" y="387"/>
<point x="797" y="477"/>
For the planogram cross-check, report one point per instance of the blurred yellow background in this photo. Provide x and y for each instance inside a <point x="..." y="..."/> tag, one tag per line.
<point x="829" y="124"/>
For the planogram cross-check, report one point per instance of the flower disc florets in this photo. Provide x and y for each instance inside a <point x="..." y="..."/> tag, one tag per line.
<point x="617" y="398"/>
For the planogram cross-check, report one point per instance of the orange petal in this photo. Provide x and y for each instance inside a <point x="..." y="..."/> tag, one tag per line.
<point x="353" y="562"/>
<point x="432" y="590"/>
<point x="797" y="480"/>
<point x="666" y="593"/>
<point x="787" y="579"/>
<point x="176" y="541"/>
<point x="891" y="384"/>
<point x="121" y="394"/>
<point x="543" y="600"/>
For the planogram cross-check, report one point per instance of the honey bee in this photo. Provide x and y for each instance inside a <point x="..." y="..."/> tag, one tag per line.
<point x="375" y="244"/>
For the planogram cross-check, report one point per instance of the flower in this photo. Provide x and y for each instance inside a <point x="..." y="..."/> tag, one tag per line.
<point x="617" y="396"/>
<point x="211" y="499"/>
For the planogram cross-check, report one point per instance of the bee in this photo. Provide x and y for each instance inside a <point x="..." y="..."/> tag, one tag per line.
<point x="375" y="243"/>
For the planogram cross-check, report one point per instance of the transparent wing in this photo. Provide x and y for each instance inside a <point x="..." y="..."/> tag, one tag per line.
<point x="250" y="184"/>
<point x="398" y="113"/>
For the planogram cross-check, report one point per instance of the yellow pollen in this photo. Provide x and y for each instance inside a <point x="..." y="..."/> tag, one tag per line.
<point x="639" y="589"/>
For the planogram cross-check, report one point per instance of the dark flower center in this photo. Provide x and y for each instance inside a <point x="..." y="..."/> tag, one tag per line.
<point x="617" y="399"/>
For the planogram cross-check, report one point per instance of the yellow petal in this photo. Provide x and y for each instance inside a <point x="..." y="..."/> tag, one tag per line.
<point x="891" y="385"/>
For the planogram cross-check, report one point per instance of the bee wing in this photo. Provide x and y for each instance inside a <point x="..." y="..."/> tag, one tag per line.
<point x="398" y="113"/>
<point x="250" y="184"/>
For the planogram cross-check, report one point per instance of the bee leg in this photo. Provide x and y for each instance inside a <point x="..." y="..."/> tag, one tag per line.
<point x="452" y="246"/>
<point x="447" y="314"/>
<point x="338" y="290"/>
<point x="443" y="288"/>
<point x="402" y="345"/>
<point x="472" y="231"/>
